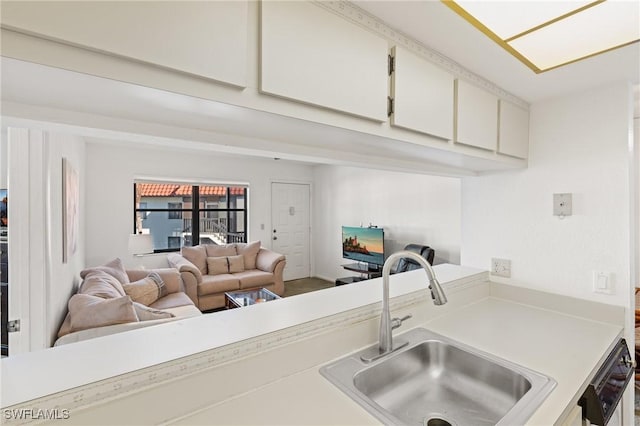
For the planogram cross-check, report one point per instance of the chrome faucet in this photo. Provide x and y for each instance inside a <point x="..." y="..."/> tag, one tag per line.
<point x="386" y="323"/>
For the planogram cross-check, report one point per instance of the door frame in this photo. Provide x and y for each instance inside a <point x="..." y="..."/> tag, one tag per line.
<point x="311" y="215"/>
<point x="27" y="168"/>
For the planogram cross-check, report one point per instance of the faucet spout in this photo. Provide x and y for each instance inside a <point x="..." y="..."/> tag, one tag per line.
<point x="437" y="294"/>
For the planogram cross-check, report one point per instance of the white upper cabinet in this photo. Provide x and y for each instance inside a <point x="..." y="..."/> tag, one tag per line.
<point x="208" y="39"/>
<point x="513" y="137"/>
<point x="476" y="117"/>
<point x="311" y="55"/>
<point x="423" y="95"/>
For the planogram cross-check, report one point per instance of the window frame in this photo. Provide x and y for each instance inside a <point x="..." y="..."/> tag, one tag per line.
<point x="176" y="212"/>
<point x="195" y="209"/>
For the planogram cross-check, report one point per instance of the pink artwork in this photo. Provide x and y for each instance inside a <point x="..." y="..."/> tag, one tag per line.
<point x="70" y="210"/>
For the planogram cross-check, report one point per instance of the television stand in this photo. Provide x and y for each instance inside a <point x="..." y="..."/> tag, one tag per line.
<point x="348" y="280"/>
<point x="366" y="273"/>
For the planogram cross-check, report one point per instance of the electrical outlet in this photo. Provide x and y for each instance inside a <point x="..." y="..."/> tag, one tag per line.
<point x="501" y="267"/>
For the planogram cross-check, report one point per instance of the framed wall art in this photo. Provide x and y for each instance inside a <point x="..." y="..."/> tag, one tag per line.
<point x="70" y="210"/>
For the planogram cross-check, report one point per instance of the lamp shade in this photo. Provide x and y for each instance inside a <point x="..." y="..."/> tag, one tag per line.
<point x="140" y="244"/>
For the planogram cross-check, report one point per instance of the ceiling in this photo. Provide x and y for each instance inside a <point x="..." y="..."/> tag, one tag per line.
<point x="439" y="28"/>
<point x="220" y="127"/>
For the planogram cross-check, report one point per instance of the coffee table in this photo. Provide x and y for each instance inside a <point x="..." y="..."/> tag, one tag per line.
<point x="237" y="299"/>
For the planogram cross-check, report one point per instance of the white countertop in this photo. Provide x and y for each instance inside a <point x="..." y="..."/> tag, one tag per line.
<point x="259" y="365"/>
<point x="566" y="348"/>
<point x="70" y="366"/>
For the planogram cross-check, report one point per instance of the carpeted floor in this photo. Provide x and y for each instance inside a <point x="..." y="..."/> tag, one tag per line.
<point x="305" y="285"/>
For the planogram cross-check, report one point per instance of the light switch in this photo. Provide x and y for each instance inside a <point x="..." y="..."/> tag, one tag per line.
<point x="602" y="282"/>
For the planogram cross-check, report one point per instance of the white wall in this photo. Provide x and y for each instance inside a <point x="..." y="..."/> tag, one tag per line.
<point x="63" y="278"/>
<point x="578" y="144"/>
<point x="411" y="208"/>
<point x="111" y="170"/>
<point x="40" y="284"/>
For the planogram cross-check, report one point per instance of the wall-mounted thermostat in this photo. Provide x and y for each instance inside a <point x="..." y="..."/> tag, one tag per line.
<point x="562" y="205"/>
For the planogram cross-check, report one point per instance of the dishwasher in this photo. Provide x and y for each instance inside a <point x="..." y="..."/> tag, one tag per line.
<point x="605" y="390"/>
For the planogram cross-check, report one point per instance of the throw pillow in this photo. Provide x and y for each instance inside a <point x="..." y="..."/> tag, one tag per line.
<point x="146" y="290"/>
<point x="146" y="313"/>
<point x="217" y="265"/>
<point x="236" y="263"/>
<point x="101" y="284"/>
<point x="115" y="268"/>
<point x="214" y="250"/>
<point x="87" y="311"/>
<point x="196" y="255"/>
<point x="249" y="252"/>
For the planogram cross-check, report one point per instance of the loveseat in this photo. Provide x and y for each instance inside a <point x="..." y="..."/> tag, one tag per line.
<point x="111" y="300"/>
<point x="209" y="270"/>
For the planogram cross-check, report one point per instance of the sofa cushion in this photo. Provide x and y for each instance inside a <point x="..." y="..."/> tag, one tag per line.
<point x="214" y="250"/>
<point x="101" y="284"/>
<point x="87" y="311"/>
<point x="196" y="255"/>
<point x="249" y="251"/>
<point x="146" y="313"/>
<point x="186" y="311"/>
<point x="171" y="301"/>
<point x="146" y="290"/>
<point x="236" y="263"/>
<point x="218" y="283"/>
<point x="254" y="278"/>
<point x="218" y="265"/>
<point x="65" y="328"/>
<point x="115" y="268"/>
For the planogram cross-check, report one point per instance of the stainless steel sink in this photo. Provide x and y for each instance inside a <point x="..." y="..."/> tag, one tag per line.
<point x="436" y="381"/>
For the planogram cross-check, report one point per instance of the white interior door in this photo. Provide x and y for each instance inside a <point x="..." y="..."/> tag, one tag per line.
<point x="290" y="222"/>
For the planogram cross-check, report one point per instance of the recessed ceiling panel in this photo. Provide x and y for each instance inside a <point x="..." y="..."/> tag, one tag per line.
<point x="546" y="35"/>
<point x="600" y="28"/>
<point x="510" y="18"/>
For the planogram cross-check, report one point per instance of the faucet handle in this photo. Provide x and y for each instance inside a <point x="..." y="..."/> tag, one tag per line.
<point x="397" y="322"/>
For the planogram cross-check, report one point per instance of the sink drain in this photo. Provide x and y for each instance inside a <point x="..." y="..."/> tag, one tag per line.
<point x="436" y="421"/>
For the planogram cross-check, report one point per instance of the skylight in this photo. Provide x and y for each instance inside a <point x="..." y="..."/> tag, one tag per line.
<point x="545" y="35"/>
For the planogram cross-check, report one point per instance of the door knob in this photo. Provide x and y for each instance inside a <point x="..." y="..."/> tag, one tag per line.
<point x="275" y="238"/>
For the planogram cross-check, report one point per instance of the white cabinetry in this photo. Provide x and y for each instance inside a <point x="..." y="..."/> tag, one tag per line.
<point x="311" y="55"/>
<point x="208" y="39"/>
<point x="574" y="418"/>
<point x="422" y="94"/>
<point x="476" y="116"/>
<point x="513" y="136"/>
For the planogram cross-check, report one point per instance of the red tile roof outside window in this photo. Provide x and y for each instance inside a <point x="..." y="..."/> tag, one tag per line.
<point x="176" y="190"/>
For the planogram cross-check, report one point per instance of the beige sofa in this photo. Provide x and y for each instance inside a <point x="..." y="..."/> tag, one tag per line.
<point x="112" y="300"/>
<point x="209" y="270"/>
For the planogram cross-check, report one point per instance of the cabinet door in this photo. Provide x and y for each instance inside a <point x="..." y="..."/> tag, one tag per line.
<point x="513" y="136"/>
<point x="311" y="55"/>
<point x="574" y="418"/>
<point x="477" y="116"/>
<point x="208" y="39"/>
<point x="423" y="95"/>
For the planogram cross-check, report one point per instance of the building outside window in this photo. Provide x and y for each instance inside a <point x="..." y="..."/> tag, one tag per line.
<point x="174" y="210"/>
<point x="166" y="211"/>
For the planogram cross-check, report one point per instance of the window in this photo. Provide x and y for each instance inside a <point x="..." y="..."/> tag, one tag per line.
<point x="166" y="211"/>
<point x="173" y="242"/>
<point x="174" y="212"/>
<point x="143" y="206"/>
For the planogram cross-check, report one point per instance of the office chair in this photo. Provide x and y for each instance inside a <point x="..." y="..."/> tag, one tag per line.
<point x="406" y="264"/>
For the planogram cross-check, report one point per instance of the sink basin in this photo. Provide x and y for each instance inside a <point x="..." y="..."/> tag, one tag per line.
<point x="437" y="381"/>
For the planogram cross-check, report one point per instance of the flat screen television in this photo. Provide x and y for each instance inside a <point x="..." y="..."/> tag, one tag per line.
<point x="363" y="245"/>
